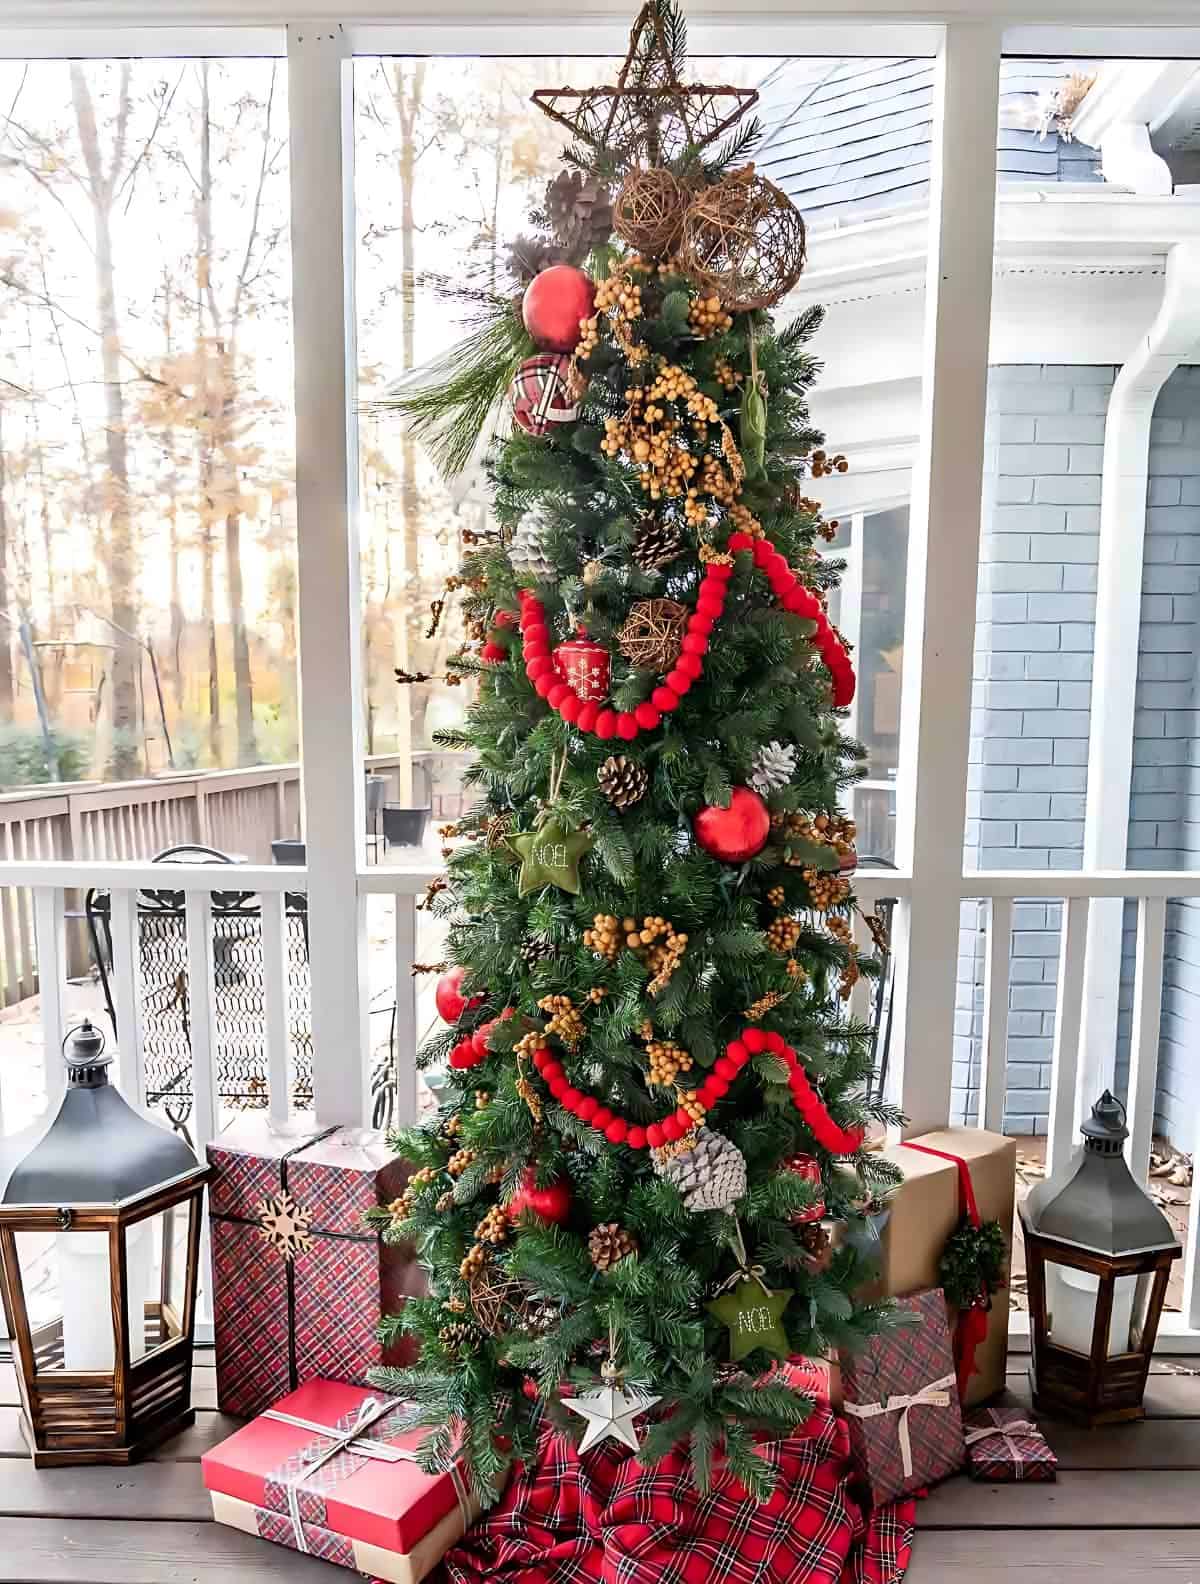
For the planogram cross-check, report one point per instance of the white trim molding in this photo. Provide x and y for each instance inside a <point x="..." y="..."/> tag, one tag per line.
<point x="1127" y="104"/>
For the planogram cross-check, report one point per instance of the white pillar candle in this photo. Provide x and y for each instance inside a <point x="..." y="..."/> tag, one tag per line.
<point x="86" y="1291"/>
<point x="1071" y="1302"/>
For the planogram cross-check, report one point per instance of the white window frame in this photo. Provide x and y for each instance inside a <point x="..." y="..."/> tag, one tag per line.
<point x="968" y="38"/>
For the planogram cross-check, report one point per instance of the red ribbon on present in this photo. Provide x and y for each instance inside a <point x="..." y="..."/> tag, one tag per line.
<point x="972" y="1327"/>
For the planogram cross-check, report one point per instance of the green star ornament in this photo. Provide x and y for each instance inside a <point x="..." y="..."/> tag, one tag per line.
<point x="752" y="1316"/>
<point x="550" y="856"/>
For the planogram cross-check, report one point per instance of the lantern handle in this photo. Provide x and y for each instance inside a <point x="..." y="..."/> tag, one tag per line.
<point x="93" y="1042"/>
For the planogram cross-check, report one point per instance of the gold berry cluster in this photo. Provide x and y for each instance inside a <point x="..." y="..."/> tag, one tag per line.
<point x="619" y="293"/>
<point x="566" y="1020"/>
<point x="776" y="896"/>
<point x="662" y="948"/>
<point x="494" y="1227"/>
<point x="604" y="937"/>
<point x="473" y="1262"/>
<point x="691" y="1102"/>
<point x="667" y="1061"/>
<point x="782" y="934"/>
<point x="402" y="1207"/>
<point x="707" y="316"/>
<point x="825" y="889"/>
<point x="727" y="376"/>
<point x="744" y="520"/>
<point x="822" y="464"/>
<point x="459" y="1161"/>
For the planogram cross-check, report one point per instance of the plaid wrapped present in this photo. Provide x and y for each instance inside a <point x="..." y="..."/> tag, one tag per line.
<point x="299" y="1279"/>
<point x="1003" y="1447"/>
<point x="901" y="1400"/>
<point x="330" y="1472"/>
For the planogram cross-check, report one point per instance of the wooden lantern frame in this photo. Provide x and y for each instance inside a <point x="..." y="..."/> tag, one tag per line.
<point x="74" y="1417"/>
<point x="1092" y="1388"/>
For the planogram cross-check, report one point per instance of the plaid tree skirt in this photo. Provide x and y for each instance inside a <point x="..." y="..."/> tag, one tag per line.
<point x="605" y="1517"/>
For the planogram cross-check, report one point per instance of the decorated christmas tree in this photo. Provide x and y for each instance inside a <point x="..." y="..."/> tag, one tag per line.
<point x="638" y="1194"/>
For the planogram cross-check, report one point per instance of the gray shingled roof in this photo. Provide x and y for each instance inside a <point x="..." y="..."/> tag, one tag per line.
<point x="846" y="138"/>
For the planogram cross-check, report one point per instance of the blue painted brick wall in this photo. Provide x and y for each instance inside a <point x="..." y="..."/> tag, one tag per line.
<point x="1031" y="710"/>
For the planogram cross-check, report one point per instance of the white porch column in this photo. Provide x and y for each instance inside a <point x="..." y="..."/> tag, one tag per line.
<point x="1173" y="337"/>
<point x="322" y="153"/>
<point x="943" y="555"/>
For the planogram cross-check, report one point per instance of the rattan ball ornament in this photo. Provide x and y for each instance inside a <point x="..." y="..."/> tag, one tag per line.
<point x="652" y="634"/>
<point x="648" y="210"/>
<point x="743" y="239"/>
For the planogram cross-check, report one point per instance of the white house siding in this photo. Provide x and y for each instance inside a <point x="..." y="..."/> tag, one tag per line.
<point x="1032" y="697"/>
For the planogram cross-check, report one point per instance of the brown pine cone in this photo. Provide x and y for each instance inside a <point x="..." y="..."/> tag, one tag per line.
<point x="458" y="1337"/>
<point x="610" y="1243"/>
<point x="818" y="1246"/>
<point x="623" y="781"/>
<point x="655" y="544"/>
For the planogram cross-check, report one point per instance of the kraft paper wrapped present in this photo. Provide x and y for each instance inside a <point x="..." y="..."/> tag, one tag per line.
<point x="924" y="1212"/>
<point x="901" y="1403"/>
<point x="299" y="1278"/>
<point x="327" y="1471"/>
<point x="1003" y="1447"/>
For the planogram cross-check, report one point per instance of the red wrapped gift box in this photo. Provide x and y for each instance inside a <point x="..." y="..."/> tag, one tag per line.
<point x="1003" y="1446"/>
<point x="328" y="1471"/>
<point x="901" y="1401"/>
<point x="299" y="1279"/>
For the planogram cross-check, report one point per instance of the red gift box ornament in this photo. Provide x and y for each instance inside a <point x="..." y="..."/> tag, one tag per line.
<point x="541" y="393"/>
<point x="585" y="666"/>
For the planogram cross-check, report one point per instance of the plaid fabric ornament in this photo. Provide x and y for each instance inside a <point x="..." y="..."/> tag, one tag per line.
<point x="540" y="393"/>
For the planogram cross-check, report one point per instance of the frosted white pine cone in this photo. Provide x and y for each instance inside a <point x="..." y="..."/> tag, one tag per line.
<point x="528" y="554"/>
<point x="773" y="767"/>
<point x="710" y="1176"/>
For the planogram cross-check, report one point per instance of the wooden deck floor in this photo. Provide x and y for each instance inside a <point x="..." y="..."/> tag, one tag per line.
<point x="1126" y="1506"/>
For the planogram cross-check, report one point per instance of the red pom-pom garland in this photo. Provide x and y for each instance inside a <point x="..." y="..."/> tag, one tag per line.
<point x="607" y="723"/>
<point x="829" y="1134"/>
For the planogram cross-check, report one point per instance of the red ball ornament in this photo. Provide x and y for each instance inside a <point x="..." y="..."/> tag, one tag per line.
<point x="448" y="997"/>
<point x="585" y="666"/>
<point x="805" y="1166"/>
<point x="548" y="1204"/>
<point x="555" y="301"/>
<point x="735" y="833"/>
<point x="540" y="394"/>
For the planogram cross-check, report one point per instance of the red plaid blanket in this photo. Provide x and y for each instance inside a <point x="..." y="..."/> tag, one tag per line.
<point x="604" y="1517"/>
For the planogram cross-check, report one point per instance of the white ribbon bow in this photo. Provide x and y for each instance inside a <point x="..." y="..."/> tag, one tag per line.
<point x="352" y="1440"/>
<point x="1006" y="1432"/>
<point x="935" y="1395"/>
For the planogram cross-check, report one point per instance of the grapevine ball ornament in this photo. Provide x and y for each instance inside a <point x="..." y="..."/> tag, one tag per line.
<point x="607" y="723"/>
<point x="541" y="395"/>
<point x="585" y="666"/>
<point x="648" y="210"/>
<point x="743" y="239"/>
<point x="547" y="1204"/>
<point x="652" y="633"/>
<point x="805" y="1167"/>
<point x="830" y="1135"/>
<point x="555" y="302"/>
<point x="735" y="833"/>
<point x="448" y="997"/>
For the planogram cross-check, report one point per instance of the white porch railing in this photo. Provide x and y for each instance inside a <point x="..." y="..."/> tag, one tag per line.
<point x="1072" y="1078"/>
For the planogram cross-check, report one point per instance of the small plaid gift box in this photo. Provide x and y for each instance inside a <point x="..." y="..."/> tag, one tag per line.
<point x="1003" y="1447"/>
<point x="901" y="1402"/>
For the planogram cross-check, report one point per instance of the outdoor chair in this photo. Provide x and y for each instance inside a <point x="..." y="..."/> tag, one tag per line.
<point x="238" y="992"/>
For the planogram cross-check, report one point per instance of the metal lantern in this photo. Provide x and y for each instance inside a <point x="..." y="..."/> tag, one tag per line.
<point x="1099" y="1253"/>
<point x="100" y="1214"/>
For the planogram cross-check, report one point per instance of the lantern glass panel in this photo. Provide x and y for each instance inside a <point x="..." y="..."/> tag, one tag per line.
<point x="157" y="1256"/>
<point x="1071" y="1297"/>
